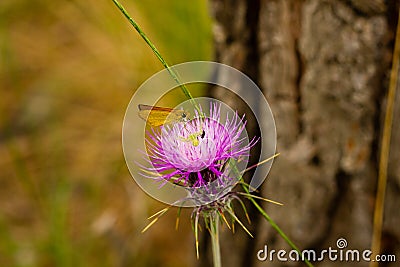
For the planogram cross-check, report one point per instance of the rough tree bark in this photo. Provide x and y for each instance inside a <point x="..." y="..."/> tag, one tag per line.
<point x="323" y="66"/>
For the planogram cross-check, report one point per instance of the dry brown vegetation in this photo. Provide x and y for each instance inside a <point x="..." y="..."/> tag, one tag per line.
<point x="68" y="70"/>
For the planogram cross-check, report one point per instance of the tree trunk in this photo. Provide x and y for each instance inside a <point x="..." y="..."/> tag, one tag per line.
<point x="323" y="66"/>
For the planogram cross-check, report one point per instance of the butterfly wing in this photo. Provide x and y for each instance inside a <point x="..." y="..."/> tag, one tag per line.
<point x="157" y="116"/>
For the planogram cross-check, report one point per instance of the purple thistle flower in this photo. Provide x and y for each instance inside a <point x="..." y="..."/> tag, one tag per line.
<point x="195" y="153"/>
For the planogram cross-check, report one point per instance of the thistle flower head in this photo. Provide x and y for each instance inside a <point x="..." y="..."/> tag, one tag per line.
<point x="196" y="153"/>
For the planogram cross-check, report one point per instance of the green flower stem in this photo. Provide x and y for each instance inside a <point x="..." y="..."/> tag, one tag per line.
<point x="275" y="226"/>
<point x="214" y="233"/>
<point x="266" y="216"/>
<point x="156" y="52"/>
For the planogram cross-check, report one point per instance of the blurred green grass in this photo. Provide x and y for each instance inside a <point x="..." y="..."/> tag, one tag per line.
<point x="67" y="72"/>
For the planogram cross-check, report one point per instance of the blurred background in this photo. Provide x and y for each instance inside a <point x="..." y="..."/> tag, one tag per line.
<point x="68" y="70"/>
